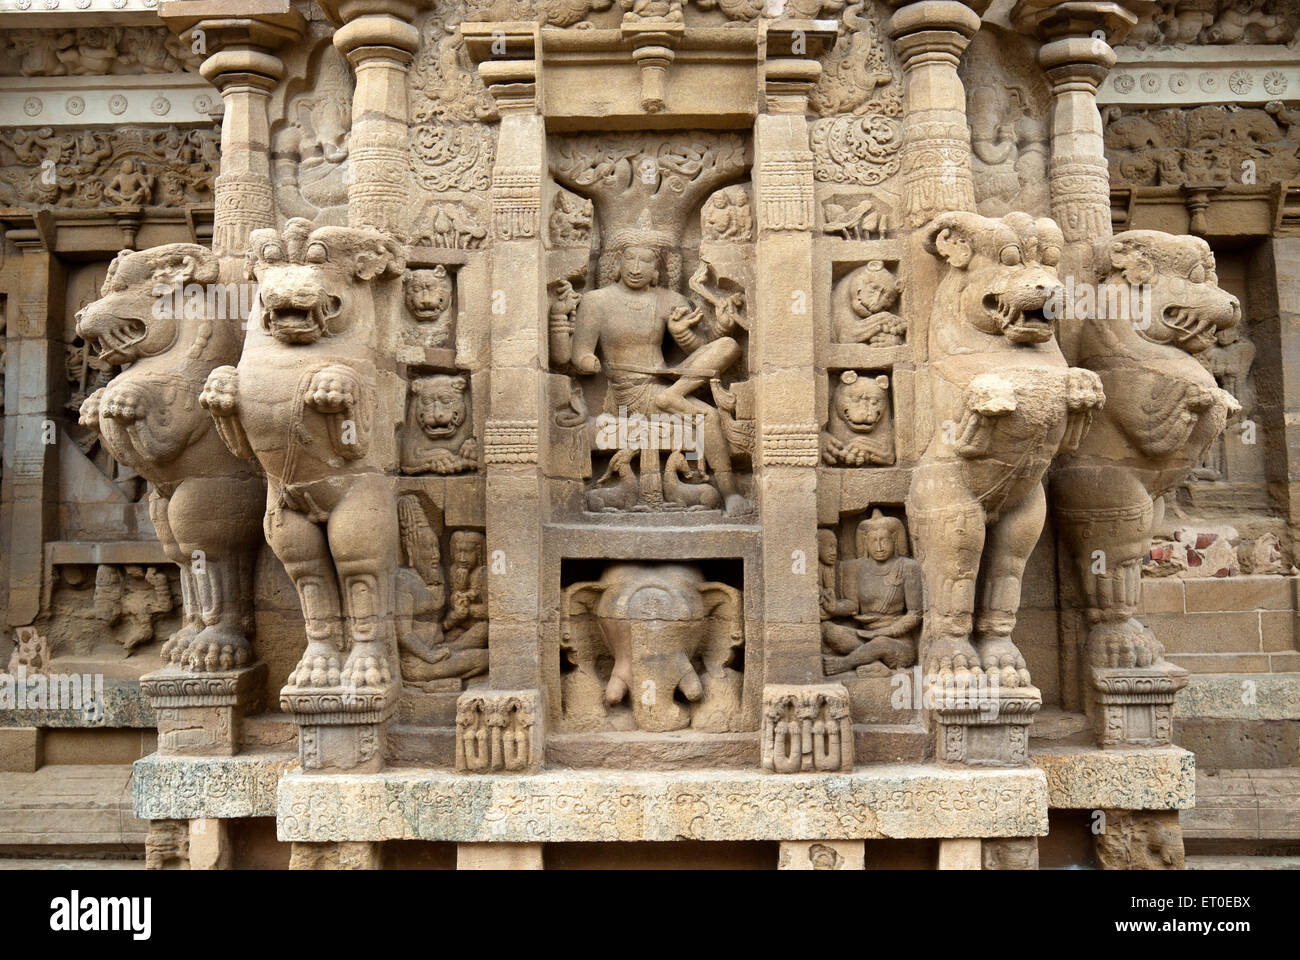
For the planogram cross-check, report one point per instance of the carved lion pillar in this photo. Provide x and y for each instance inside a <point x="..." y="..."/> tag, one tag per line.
<point x="930" y="37"/>
<point x="788" y="420"/>
<point x="379" y="41"/>
<point x="243" y="67"/>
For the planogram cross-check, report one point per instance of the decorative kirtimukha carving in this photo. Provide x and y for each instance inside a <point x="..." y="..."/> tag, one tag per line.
<point x="439" y="434"/>
<point x="151" y="420"/>
<point x="860" y="428"/>
<point x="429" y="299"/>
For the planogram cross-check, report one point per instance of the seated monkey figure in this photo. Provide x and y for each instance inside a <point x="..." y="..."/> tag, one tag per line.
<point x="1005" y="403"/>
<point x="886" y="602"/>
<point x="872" y="293"/>
<point x="304" y="402"/>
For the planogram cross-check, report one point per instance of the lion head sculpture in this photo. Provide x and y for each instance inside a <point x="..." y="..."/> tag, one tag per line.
<point x="1003" y="273"/>
<point x="314" y="283"/>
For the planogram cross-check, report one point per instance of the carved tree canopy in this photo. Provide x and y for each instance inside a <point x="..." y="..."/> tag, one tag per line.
<point x="666" y="175"/>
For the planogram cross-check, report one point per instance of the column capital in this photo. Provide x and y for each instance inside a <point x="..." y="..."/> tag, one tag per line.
<point x="1050" y="20"/>
<point x="506" y="55"/>
<point x="934" y="27"/>
<point x="791" y="67"/>
<point x="259" y="24"/>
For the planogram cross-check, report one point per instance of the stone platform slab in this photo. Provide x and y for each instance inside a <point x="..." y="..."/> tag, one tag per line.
<point x="222" y="788"/>
<point x="69" y="805"/>
<point x="1139" y="778"/>
<point x="888" y="801"/>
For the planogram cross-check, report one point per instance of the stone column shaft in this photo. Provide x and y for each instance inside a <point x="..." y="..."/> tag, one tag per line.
<point x="930" y="37"/>
<point x="380" y="47"/>
<point x="783" y="345"/>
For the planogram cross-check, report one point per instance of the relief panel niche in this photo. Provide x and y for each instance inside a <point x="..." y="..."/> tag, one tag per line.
<point x="652" y="646"/>
<point x="659" y="319"/>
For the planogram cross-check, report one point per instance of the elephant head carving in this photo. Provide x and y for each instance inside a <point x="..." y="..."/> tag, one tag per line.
<point x="659" y="637"/>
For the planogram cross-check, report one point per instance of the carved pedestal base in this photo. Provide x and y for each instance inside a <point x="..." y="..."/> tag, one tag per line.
<point x="807" y="728"/>
<point x="339" y="729"/>
<point x="199" y="714"/>
<point x="1140" y="840"/>
<point x="1134" y="706"/>
<point x="989" y="853"/>
<point x="349" y="855"/>
<point x="991" y="732"/>
<point x="167" y="847"/>
<point x="499" y="730"/>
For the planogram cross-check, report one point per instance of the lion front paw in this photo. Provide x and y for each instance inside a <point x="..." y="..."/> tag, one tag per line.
<point x="220" y="393"/>
<point x="332" y="389"/>
<point x="122" y="404"/>
<point x="89" y="414"/>
<point x="215" y="649"/>
<point x="319" y="667"/>
<point x="367" y="666"/>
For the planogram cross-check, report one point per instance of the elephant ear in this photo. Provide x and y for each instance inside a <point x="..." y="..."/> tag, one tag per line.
<point x="580" y="635"/>
<point x="725" y="626"/>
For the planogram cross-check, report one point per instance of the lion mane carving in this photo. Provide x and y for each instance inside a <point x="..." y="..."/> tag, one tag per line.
<point x="150" y="419"/>
<point x="1005" y="402"/>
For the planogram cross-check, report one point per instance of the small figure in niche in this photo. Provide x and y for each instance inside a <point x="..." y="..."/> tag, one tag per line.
<point x="888" y="598"/>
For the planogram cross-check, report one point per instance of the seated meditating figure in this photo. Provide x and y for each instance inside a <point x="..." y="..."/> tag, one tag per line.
<point x="886" y="585"/>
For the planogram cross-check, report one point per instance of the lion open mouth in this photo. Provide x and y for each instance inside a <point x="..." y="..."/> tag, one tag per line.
<point x="1193" y="330"/>
<point x="435" y="431"/>
<point x="294" y="324"/>
<point x="1020" y="324"/>
<point x="118" y="342"/>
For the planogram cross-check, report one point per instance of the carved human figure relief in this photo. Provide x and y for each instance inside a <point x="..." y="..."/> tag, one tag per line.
<point x="882" y="595"/>
<point x="626" y="322"/>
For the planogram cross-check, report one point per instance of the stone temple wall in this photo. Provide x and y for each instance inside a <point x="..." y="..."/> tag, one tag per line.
<point x="505" y="433"/>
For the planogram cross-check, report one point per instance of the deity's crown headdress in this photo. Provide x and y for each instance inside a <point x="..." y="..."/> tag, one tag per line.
<point x="643" y="234"/>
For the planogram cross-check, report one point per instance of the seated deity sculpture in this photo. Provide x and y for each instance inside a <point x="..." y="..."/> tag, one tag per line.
<point x="626" y="321"/>
<point x="886" y="602"/>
